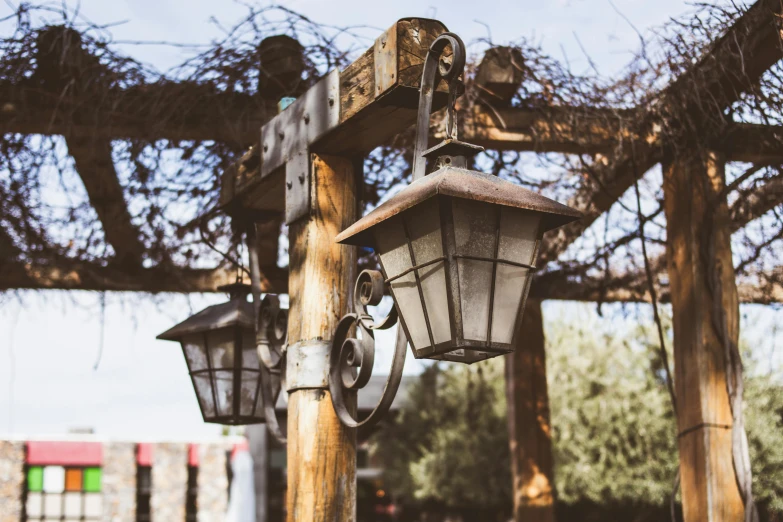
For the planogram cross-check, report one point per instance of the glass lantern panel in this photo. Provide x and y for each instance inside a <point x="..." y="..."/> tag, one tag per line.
<point x="203" y="387"/>
<point x="249" y="352"/>
<point x="394" y="252"/>
<point x="475" y="280"/>
<point x="220" y="344"/>
<point x="224" y="390"/>
<point x="518" y="238"/>
<point x="475" y="234"/>
<point x="195" y="351"/>
<point x="425" y="233"/>
<point x="518" y="235"/>
<point x="249" y="391"/>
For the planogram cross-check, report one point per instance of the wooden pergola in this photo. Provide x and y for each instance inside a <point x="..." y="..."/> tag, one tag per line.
<point x="382" y="86"/>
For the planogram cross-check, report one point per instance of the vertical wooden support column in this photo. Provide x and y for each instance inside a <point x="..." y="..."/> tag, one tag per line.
<point x="321" y="451"/>
<point x="696" y="264"/>
<point x="530" y="436"/>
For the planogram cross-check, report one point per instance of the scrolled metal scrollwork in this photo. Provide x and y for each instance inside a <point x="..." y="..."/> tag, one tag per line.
<point x="352" y="358"/>
<point x="271" y="328"/>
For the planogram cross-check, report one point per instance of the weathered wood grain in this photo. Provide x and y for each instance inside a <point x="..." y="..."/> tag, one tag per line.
<point x="708" y="484"/>
<point x="369" y="116"/>
<point x="321" y="451"/>
<point x="530" y="434"/>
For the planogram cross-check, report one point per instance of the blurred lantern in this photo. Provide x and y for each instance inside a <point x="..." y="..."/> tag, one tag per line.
<point x="219" y="344"/>
<point x="457" y="248"/>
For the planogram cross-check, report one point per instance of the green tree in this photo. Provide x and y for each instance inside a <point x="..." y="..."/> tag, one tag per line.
<point x="613" y="426"/>
<point x="449" y="444"/>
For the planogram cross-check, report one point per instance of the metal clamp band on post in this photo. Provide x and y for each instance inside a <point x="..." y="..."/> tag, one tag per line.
<point x="307" y="365"/>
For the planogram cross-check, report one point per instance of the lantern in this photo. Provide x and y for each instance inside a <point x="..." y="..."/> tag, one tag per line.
<point x="457" y="248"/>
<point x="219" y="344"/>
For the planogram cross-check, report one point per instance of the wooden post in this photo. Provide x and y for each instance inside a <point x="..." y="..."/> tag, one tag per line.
<point x="696" y="264"/>
<point x="257" y="438"/>
<point x="321" y="451"/>
<point x="530" y="436"/>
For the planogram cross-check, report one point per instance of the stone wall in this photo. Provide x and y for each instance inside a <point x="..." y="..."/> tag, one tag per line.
<point x="212" y="482"/>
<point x="169" y="481"/>
<point x="119" y="482"/>
<point x="11" y="480"/>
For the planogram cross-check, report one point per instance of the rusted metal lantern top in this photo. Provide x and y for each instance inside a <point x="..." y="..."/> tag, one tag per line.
<point x="457" y="248"/>
<point x="219" y="344"/>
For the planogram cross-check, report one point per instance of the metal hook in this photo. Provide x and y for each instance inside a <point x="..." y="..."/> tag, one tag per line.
<point x="434" y="70"/>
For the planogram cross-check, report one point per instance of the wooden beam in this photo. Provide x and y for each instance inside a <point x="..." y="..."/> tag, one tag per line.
<point x="66" y="70"/>
<point x="757" y="202"/>
<point x="530" y="431"/>
<point x="94" y="163"/>
<point x="729" y="68"/>
<point x="378" y="99"/>
<point x="162" y="110"/>
<point x="753" y="143"/>
<point x="68" y="275"/>
<point x="571" y="130"/>
<point x="321" y="450"/>
<point x="701" y="273"/>
<point x="500" y="75"/>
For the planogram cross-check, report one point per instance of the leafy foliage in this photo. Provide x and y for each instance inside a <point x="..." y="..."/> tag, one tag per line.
<point x="613" y="426"/>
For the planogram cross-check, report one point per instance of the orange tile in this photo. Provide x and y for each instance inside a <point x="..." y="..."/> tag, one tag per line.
<point x="73" y="479"/>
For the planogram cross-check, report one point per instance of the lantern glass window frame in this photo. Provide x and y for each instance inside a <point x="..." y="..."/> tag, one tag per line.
<point x="480" y="233"/>
<point x="219" y="347"/>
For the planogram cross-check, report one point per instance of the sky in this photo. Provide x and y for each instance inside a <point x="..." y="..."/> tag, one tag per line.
<point x="83" y="360"/>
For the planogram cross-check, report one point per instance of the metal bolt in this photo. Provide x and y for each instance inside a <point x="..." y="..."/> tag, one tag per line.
<point x="301" y="178"/>
<point x="307" y="118"/>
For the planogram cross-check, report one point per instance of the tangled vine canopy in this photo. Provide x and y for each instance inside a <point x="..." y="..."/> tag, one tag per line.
<point x="106" y="162"/>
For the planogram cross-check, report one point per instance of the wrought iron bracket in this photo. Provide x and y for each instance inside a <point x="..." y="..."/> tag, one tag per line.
<point x="271" y="329"/>
<point x="352" y="357"/>
<point x="436" y="69"/>
<point x="286" y="141"/>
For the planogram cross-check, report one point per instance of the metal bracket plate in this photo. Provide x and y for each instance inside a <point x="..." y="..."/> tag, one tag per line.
<point x="287" y="138"/>
<point x="307" y="365"/>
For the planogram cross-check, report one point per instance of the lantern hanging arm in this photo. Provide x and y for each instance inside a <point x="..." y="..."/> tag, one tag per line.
<point x="351" y="358"/>
<point x="271" y="331"/>
<point x="436" y="69"/>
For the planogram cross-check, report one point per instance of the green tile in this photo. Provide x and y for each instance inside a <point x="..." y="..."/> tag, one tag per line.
<point x="35" y="478"/>
<point x="92" y="480"/>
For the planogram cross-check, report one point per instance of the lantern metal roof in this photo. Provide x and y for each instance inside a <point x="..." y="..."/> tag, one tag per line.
<point x="465" y="184"/>
<point x="235" y="312"/>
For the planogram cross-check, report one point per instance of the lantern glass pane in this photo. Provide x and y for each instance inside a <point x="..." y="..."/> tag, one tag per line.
<point x="203" y="387"/>
<point x="518" y="238"/>
<point x="249" y="352"/>
<point x="426" y="239"/>
<point x="475" y="234"/>
<point x="195" y="352"/>
<point x="394" y="252"/>
<point x="221" y="347"/>
<point x="224" y="389"/>
<point x="248" y="394"/>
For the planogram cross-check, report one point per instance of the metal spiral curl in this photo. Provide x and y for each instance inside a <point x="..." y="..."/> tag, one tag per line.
<point x="271" y="328"/>
<point x="271" y="344"/>
<point x="352" y="358"/>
